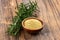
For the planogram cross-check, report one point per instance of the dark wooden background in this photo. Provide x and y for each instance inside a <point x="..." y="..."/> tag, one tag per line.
<point x="49" y="13"/>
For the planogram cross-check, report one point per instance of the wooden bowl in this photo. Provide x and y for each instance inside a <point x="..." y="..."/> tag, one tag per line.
<point x="31" y="30"/>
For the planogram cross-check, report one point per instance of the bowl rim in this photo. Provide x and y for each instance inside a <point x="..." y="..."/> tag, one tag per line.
<point x="32" y="18"/>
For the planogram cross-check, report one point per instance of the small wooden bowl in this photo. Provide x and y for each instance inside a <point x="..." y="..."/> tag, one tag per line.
<point x="32" y="31"/>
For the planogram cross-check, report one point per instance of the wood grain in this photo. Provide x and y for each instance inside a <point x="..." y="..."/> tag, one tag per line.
<point x="49" y="13"/>
<point x="4" y="19"/>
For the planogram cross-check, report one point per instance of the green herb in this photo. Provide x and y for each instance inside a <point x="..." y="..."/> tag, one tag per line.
<point x="24" y="11"/>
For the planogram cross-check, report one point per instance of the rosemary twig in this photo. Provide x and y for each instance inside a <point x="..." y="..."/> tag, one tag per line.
<point x="24" y="11"/>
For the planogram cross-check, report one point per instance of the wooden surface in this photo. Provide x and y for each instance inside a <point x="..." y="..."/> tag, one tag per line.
<point x="49" y="13"/>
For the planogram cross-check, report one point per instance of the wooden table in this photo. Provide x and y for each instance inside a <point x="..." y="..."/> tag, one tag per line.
<point x="49" y="13"/>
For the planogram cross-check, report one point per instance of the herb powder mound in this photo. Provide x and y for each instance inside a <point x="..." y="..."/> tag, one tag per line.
<point x="32" y="24"/>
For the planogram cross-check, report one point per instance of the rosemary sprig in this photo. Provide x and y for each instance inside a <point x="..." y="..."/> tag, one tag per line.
<point x="24" y="11"/>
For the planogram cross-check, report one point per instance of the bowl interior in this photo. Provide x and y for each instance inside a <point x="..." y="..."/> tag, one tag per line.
<point x="31" y="18"/>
